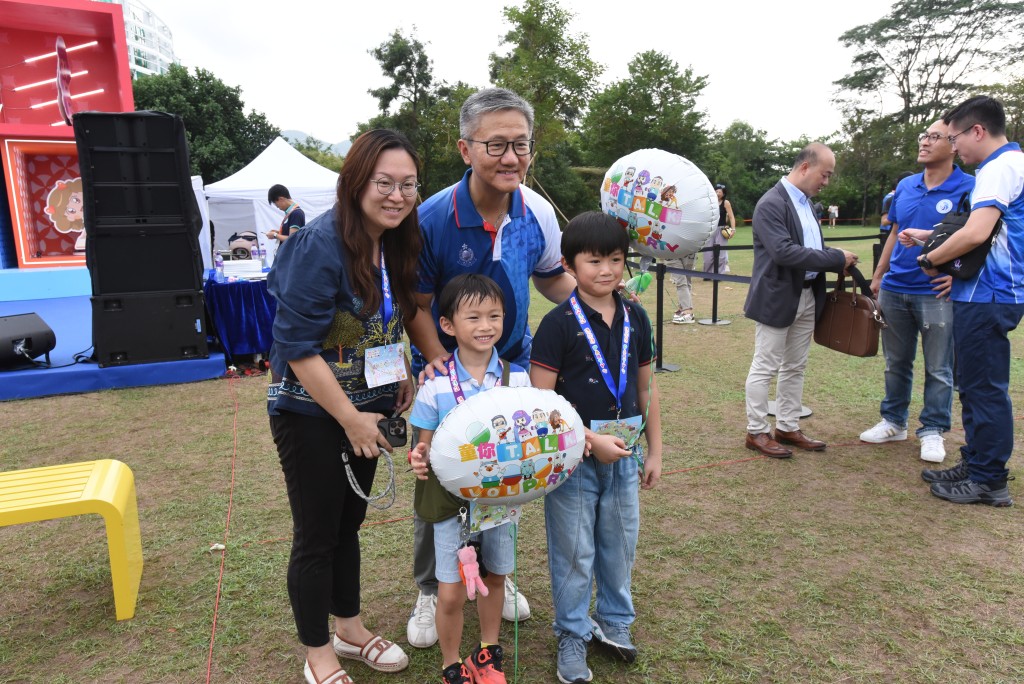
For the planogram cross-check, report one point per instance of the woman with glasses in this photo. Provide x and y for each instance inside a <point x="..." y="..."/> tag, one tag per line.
<point x="343" y="286"/>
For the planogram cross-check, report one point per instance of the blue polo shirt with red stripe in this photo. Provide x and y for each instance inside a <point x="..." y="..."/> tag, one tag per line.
<point x="528" y="243"/>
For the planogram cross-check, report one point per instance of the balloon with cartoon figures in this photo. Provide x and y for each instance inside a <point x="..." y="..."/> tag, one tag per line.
<point x="507" y="446"/>
<point x="666" y="204"/>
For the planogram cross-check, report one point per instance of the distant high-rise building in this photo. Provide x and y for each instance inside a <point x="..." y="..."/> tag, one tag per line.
<point x="150" y="45"/>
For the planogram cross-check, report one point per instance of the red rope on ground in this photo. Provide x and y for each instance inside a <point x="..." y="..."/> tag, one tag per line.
<point x="227" y="524"/>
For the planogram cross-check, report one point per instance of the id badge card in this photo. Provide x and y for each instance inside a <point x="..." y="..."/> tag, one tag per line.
<point x="484" y="517"/>
<point x="627" y="429"/>
<point x="384" y="365"/>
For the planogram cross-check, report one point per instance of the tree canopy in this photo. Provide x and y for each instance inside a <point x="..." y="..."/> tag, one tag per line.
<point x="222" y="138"/>
<point x="656" y="106"/>
<point x="928" y="53"/>
<point x="547" y="66"/>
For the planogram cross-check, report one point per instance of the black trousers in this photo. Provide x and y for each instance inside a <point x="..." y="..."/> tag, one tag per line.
<point x="323" y="571"/>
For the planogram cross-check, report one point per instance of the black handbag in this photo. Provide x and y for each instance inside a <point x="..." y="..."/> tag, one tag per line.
<point x="967" y="265"/>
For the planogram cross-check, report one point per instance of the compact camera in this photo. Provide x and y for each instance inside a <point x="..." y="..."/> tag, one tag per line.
<point x="394" y="431"/>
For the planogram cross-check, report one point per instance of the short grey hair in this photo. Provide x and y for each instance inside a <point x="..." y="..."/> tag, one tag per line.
<point x="487" y="101"/>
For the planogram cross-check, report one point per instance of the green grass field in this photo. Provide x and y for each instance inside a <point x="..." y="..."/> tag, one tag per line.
<point x="829" y="567"/>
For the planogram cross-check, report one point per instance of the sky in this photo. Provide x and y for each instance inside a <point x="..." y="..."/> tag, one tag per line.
<point x="305" y="63"/>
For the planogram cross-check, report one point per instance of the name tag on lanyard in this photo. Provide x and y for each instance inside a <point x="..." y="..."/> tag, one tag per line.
<point x="385" y="364"/>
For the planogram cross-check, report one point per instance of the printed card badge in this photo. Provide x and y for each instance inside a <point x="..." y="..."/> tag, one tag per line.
<point x="384" y="365"/>
<point x="484" y="517"/>
<point x="627" y="429"/>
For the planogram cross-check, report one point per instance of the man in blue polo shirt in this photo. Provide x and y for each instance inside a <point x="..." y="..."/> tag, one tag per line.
<point x="986" y="307"/>
<point x="491" y="224"/>
<point x="914" y="303"/>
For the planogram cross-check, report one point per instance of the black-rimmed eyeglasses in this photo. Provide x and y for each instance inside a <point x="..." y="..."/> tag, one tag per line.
<point x="930" y="137"/>
<point x="386" y="186"/>
<point x="952" y="138"/>
<point x="497" y="148"/>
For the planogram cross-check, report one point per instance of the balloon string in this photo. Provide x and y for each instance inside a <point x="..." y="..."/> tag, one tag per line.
<point x="514" y="531"/>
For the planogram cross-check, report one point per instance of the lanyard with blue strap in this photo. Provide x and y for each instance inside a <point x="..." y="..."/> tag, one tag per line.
<point x="387" y="308"/>
<point x="387" y="313"/>
<point x="618" y="390"/>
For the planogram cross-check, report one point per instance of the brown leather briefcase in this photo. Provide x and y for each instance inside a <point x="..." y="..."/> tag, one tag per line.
<point x="851" y="321"/>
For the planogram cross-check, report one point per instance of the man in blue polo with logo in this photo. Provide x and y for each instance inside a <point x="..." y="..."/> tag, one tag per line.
<point x="914" y="303"/>
<point x="487" y="223"/>
<point x="987" y="306"/>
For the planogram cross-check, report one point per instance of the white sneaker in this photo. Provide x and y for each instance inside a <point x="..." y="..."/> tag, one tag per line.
<point x="513" y="601"/>
<point x="683" y="318"/>
<point x="933" y="448"/>
<point x="421" y="631"/>
<point x="884" y="432"/>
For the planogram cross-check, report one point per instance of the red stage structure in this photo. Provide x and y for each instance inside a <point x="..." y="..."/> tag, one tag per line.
<point x="37" y="146"/>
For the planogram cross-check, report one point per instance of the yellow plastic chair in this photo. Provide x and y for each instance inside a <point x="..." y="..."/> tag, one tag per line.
<point x="106" y="488"/>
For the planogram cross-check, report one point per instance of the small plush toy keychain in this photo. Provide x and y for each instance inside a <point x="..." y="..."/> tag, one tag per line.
<point x="469" y="571"/>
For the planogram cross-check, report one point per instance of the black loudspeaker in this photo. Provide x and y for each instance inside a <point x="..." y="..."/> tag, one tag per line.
<point x="135" y="170"/>
<point x="140" y="261"/>
<point x="24" y="335"/>
<point x="148" y="327"/>
<point x="141" y="214"/>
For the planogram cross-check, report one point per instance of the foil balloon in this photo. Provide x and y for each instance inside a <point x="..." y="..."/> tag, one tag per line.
<point x="507" y="445"/>
<point x="665" y="203"/>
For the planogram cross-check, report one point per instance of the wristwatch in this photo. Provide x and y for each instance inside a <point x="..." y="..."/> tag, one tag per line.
<point x="924" y="262"/>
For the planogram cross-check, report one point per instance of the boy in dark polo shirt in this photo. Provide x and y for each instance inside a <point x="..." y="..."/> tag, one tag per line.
<point x="596" y="351"/>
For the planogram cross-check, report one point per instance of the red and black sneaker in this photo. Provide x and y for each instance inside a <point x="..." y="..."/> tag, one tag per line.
<point x="485" y="665"/>
<point x="456" y="674"/>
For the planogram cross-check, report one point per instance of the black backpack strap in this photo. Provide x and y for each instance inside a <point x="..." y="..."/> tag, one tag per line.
<point x="861" y="281"/>
<point x="505" y="371"/>
<point x="964" y="205"/>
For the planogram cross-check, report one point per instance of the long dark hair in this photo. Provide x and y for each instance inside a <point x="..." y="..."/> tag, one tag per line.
<point x="402" y="245"/>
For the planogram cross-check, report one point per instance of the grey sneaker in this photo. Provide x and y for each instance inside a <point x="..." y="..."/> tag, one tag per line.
<point x="955" y="474"/>
<point x="616" y="638"/>
<point x="572" y="660"/>
<point x="969" y="491"/>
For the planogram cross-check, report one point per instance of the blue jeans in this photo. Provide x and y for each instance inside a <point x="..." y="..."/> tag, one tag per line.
<point x="907" y="316"/>
<point x="983" y="373"/>
<point x="592" y="523"/>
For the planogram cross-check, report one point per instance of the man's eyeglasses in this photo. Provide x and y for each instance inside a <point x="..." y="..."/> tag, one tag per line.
<point x="497" y="148"/>
<point x="930" y="137"/>
<point x="952" y="138"/>
<point x="386" y="186"/>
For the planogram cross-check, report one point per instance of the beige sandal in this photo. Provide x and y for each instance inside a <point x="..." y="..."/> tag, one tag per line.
<point x="378" y="653"/>
<point x="336" y="677"/>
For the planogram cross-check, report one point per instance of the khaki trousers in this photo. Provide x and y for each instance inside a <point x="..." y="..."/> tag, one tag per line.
<point x="780" y="352"/>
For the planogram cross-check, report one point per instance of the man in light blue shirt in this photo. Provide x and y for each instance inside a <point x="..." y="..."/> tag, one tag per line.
<point x="786" y="295"/>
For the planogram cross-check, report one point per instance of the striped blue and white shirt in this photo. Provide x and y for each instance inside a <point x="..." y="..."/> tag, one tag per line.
<point x="1000" y="184"/>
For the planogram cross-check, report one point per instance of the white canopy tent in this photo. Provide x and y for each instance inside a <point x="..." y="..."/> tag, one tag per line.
<point x="239" y="202"/>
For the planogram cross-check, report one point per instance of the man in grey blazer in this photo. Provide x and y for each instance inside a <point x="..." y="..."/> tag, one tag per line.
<point x="787" y="293"/>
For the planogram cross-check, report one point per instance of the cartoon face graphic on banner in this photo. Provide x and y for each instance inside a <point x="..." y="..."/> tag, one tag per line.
<point x="64" y="206"/>
<point x="507" y="445"/>
<point x="666" y="204"/>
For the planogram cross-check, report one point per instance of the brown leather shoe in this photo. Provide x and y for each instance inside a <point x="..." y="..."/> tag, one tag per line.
<point x="799" y="440"/>
<point x="764" y="443"/>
